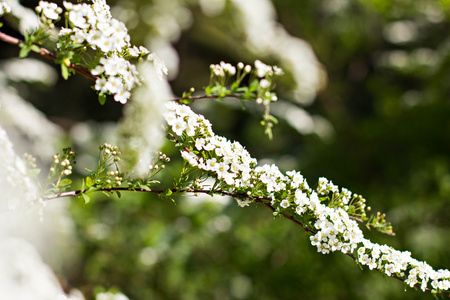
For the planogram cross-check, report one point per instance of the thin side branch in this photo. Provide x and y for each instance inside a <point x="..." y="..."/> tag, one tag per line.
<point x="47" y="54"/>
<point x="198" y="97"/>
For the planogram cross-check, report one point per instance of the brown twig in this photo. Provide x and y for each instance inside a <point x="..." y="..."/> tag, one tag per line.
<point x="47" y="54"/>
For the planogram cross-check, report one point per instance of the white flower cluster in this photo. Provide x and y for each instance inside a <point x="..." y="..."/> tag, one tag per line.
<point x="183" y="119"/>
<point x="333" y="229"/>
<point x="263" y="70"/>
<point x="94" y="25"/>
<point x="336" y="231"/>
<point x="4" y="8"/>
<point x="49" y="10"/>
<point x="231" y="162"/>
<point x="223" y="68"/>
<point x="391" y="261"/>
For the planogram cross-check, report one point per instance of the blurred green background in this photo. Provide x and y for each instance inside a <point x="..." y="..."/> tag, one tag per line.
<point x="386" y="109"/>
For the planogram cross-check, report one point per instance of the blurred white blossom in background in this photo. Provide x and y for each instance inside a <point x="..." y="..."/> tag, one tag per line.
<point x="23" y="273"/>
<point x="265" y="36"/>
<point x="140" y="130"/>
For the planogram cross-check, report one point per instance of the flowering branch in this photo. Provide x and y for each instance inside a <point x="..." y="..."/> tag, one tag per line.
<point x="47" y="54"/>
<point x="260" y="199"/>
<point x="89" y="27"/>
<point x="327" y="213"/>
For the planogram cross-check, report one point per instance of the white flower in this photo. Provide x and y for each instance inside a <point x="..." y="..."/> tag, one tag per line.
<point x="100" y="85"/>
<point x="114" y="84"/>
<point x="144" y="51"/>
<point x="221" y="169"/>
<point x="94" y="37"/>
<point x="78" y="37"/>
<point x="171" y="118"/>
<point x="243" y="203"/>
<point x="284" y="203"/>
<point x="190" y="157"/>
<point x="264" y="83"/>
<point x="106" y="44"/>
<point x="199" y="143"/>
<point x="78" y="19"/>
<point x="4" y="8"/>
<point x="228" y="68"/>
<point x="99" y="69"/>
<point x="277" y="71"/>
<point x="68" y="5"/>
<point x="262" y="69"/>
<point x="49" y="10"/>
<point x="122" y="96"/>
<point x="179" y="126"/>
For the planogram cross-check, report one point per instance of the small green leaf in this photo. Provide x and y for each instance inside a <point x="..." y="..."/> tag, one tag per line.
<point x="145" y="187"/>
<point x="167" y="192"/>
<point x="101" y="98"/>
<point x="35" y="48"/>
<point x="24" y="50"/>
<point x="64" y="71"/>
<point x="88" y="182"/>
<point x="273" y="119"/>
<point x="65" y="182"/>
<point x="86" y="198"/>
<point x="118" y="194"/>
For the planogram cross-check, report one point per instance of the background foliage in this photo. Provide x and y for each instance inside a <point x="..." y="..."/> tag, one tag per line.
<point x="387" y="111"/>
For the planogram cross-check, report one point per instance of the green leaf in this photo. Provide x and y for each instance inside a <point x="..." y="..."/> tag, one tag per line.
<point x="145" y="187"/>
<point x="35" y="48"/>
<point x="65" y="71"/>
<point x="86" y="198"/>
<point x="167" y="192"/>
<point x="273" y="119"/>
<point x="65" y="182"/>
<point x="118" y="194"/>
<point x="88" y="182"/>
<point x="101" y="98"/>
<point x="24" y="50"/>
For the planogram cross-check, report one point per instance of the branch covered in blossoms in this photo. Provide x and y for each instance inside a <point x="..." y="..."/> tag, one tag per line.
<point x="93" y="43"/>
<point x="327" y="213"/>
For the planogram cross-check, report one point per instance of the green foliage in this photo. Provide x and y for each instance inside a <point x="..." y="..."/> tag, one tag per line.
<point x="31" y="41"/>
<point x="60" y="168"/>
